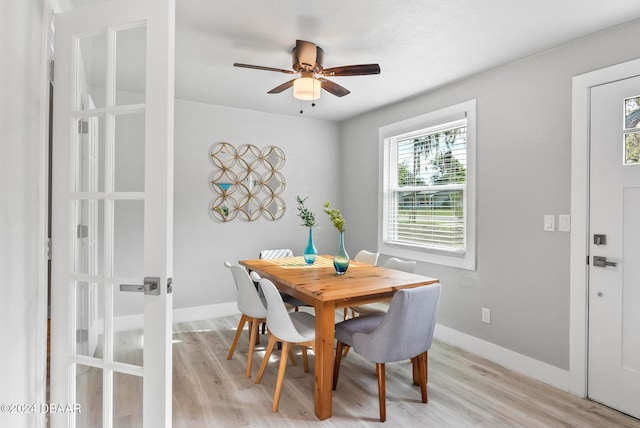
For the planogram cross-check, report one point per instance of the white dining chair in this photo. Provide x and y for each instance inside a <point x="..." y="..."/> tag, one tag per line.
<point x="363" y="256"/>
<point x="253" y="311"/>
<point x="289" y="328"/>
<point x="276" y="254"/>
<point x="382" y="307"/>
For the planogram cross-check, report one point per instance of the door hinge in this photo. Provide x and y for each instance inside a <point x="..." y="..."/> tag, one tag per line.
<point x="83" y="127"/>
<point x="83" y="231"/>
<point x="587" y="259"/>
<point x="49" y="249"/>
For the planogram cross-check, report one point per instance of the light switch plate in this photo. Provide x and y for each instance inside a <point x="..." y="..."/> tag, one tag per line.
<point x="564" y="223"/>
<point x="549" y="223"/>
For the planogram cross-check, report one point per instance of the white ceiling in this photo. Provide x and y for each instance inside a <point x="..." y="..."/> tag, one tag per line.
<point x="419" y="44"/>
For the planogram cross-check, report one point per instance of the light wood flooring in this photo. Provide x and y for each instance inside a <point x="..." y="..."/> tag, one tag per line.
<point x="464" y="390"/>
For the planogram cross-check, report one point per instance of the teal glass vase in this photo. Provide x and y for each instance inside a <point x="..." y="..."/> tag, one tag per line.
<point x="310" y="252"/>
<point x="341" y="259"/>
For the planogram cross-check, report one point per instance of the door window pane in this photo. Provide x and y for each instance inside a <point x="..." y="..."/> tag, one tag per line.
<point x="127" y="400"/>
<point x="632" y="113"/>
<point x="91" y="65"/>
<point x="632" y="148"/>
<point x="88" y="396"/>
<point x="131" y="55"/>
<point x="128" y="239"/>
<point x="128" y="340"/>
<point x="129" y="153"/>
<point x="89" y="154"/>
<point x="89" y="319"/>
<point x="88" y="237"/>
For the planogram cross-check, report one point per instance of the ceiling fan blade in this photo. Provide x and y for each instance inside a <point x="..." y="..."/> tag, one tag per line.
<point x="352" y="70"/>
<point x="260" y="67"/>
<point x="278" y="89"/>
<point x="333" y="88"/>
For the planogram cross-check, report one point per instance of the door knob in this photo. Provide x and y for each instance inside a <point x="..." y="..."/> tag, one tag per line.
<point x="151" y="286"/>
<point x="602" y="262"/>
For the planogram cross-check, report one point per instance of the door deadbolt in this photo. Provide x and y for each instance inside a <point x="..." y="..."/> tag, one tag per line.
<point x="600" y="239"/>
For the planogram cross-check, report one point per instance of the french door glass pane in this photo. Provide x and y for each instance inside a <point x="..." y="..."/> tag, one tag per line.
<point x="129" y="153"/>
<point x="128" y="341"/>
<point x="128" y="239"/>
<point x="89" y="237"/>
<point x="90" y="319"/>
<point x="131" y="54"/>
<point x="91" y="72"/>
<point x="127" y="400"/>
<point x="89" y="154"/>
<point x="88" y="396"/>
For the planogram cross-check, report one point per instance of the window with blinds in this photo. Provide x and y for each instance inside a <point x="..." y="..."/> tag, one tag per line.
<point x="426" y="188"/>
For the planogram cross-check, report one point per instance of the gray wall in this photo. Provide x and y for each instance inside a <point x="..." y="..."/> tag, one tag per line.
<point x="524" y="165"/>
<point x="201" y="245"/>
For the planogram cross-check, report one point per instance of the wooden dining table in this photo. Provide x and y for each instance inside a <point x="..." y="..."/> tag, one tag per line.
<point x="320" y="286"/>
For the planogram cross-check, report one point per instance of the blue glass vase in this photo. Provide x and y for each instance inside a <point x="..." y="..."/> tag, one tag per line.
<point x="341" y="259"/>
<point x="310" y="252"/>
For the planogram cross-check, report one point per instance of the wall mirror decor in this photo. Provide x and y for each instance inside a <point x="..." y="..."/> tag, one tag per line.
<point x="247" y="182"/>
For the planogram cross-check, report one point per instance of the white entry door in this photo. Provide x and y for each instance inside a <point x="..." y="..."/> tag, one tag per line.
<point x="614" y="265"/>
<point x="111" y="359"/>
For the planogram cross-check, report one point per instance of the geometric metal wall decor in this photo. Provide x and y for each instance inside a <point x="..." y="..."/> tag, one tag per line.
<point x="247" y="182"/>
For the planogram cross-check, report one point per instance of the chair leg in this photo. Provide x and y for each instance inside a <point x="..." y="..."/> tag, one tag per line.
<point x="382" y="393"/>
<point x="426" y="367"/>
<point x="422" y="367"/>
<point x="336" y="364"/>
<point x="283" y="366"/>
<point x="267" y="355"/>
<point x="252" y="343"/>
<point x="292" y="356"/>
<point x="243" y="320"/>
<point x="416" y="373"/>
<point x="305" y="359"/>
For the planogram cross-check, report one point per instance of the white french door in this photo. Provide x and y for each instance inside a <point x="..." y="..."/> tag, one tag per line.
<point x="112" y="205"/>
<point x="614" y="246"/>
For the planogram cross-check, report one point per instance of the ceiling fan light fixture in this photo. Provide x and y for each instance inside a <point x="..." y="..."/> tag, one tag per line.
<point x="307" y="88"/>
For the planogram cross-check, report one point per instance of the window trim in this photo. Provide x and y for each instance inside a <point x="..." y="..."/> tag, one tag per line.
<point x="467" y="259"/>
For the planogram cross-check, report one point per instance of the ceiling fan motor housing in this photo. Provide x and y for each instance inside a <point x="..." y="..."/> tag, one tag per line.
<point x="307" y="57"/>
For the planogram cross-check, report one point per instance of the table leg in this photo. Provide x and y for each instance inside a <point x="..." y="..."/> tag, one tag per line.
<point x="325" y="321"/>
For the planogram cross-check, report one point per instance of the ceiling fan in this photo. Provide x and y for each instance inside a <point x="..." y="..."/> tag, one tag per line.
<point x="307" y="62"/>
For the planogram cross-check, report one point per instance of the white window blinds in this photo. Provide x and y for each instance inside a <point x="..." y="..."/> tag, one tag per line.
<point x="426" y="188"/>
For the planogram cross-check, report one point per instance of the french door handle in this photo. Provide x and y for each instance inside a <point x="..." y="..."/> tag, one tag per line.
<point x="151" y="286"/>
<point x="602" y="262"/>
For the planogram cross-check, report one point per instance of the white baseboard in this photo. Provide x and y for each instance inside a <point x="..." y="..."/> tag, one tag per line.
<point x="205" y="312"/>
<point x="133" y="322"/>
<point x="528" y="366"/>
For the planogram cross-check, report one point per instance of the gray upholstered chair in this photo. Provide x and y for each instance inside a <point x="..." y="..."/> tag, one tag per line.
<point x="251" y="306"/>
<point x="404" y="332"/>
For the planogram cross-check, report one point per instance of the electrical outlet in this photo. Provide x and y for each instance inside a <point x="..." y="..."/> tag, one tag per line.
<point x="486" y="315"/>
